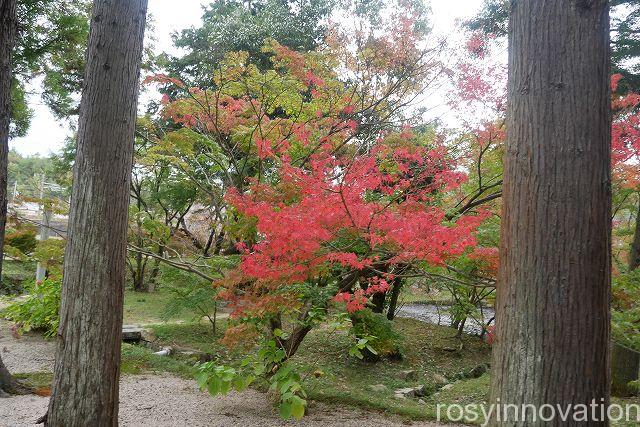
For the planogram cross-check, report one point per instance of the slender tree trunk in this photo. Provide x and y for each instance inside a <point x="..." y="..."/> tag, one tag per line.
<point x="7" y="41"/>
<point x="378" y="302"/>
<point x="625" y="362"/>
<point x="87" y="367"/>
<point x="552" y="329"/>
<point x="138" y="273"/>
<point x="393" y="301"/>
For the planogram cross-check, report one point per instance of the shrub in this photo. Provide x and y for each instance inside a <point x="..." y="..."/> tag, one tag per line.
<point x="378" y="333"/>
<point x="40" y="309"/>
<point x="23" y="240"/>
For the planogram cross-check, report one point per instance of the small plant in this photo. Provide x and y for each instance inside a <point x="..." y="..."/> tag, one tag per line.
<point x="40" y="309"/>
<point x="269" y="362"/>
<point x="363" y="344"/>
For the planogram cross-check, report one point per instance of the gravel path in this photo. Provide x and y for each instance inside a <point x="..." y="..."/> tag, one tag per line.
<point x="168" y="401"/>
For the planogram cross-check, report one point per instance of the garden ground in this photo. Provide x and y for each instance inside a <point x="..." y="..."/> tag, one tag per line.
<point x="161" y="399"/>
<point x="160" y="391"/>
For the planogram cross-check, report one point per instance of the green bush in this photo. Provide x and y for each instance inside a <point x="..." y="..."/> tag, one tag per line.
<point x="378" y="333"/>
<point x="23" y="240"/>
<point x="39" y="310"/>
<point x="625" y="310"/>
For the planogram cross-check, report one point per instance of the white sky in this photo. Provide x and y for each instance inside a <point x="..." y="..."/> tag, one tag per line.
<point x="46" y="134"/>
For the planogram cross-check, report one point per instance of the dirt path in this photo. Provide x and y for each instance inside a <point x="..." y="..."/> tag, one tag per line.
<point x="168" y="401"/>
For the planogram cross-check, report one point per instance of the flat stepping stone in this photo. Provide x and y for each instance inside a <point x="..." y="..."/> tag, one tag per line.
<point x="132" y="333"/>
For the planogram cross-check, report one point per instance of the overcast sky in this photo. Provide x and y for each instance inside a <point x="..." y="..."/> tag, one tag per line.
<point x="47" y="135"/>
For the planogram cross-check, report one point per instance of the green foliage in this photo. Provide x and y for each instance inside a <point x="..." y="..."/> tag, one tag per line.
<point x="15" y="273"/>
<point x="24" y="240"/>
<point x="190" y="294"/>
<point x="625" y="314"/>
<point x="217" y="379"/>
<point x="232" y="25"/>
<point x="51" y="42"/>
<point x="50" y="253"/>
<point x="363" y="344"/>
<point x="268" y="362"/>
<point x="375" y="336"/>
<point x="39" y="310"/>
<point x="21" y="113"/>
<point x="287" y="382"/>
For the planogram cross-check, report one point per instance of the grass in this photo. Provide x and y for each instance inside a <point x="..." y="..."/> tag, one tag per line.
<point x="345" y="380"/>
<point x="139" y="360"/>
<point x="142" y="308"/>
<point x="35" y="380"/>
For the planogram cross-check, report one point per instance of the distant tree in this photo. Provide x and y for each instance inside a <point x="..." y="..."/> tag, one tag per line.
<point x="7" y="39"/>
<point x="52" y="35"/>
<point x="553" y="293"/>
<point x="234" y="25"/>
<point x="87" y="368"/>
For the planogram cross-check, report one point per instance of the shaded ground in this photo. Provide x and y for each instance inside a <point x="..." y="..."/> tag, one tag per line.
<point x="164" y="400"/>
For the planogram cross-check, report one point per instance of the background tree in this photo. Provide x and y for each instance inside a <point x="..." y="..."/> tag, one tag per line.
<point x="232" y="25"/>
<point x="7" y="39"/>
<point x="86" y="376"/>
<point x="554" y="278"/>
<point x="51" y="42"/>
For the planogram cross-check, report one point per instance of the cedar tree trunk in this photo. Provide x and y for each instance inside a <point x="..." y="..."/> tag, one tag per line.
<point x="87" y="367"/>
<point x="7" y="41"/>
<point x="552" y="326"/>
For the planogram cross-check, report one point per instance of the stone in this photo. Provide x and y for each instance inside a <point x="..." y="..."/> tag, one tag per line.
<point x="377" y="387"/>
<point x="440" y="379"/>
<point x="408" y="375"/>
<point x="406" y="392"/>
<point x="477" y="372"/>
<point x="447" y="387"/>
<point x="418" y="391"/>
<point x="131" y="333"/>
<point x="422" y="402"/>
<point x="166" y="351"/>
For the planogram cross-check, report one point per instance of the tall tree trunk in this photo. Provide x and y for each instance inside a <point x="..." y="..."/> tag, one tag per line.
<point x="552" y="329"/>
<point x="87" y="367"/>
<point x="625" y="362"/>
<point x="7" y="41"/>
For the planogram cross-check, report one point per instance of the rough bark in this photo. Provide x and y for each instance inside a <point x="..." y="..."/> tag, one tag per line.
<point x="625" y="362"/>
<point x="8" y="28"/>
<point x="7" y="41"/>
<point x="85" y="385"/>
<point x="552" y="329"/>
